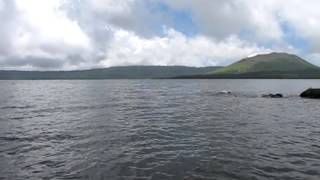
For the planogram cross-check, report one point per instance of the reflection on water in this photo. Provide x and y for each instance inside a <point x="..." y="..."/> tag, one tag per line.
<point x="158" y="129"/>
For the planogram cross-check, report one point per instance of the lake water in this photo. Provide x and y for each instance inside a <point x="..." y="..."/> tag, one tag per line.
<point x="158" y="129"/>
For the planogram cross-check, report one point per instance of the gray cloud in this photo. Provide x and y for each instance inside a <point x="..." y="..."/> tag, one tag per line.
<point x="8" y="19"/>
<point x="45" y="39"/>
<point x="34" y="62"/>
<point x="82" y="34"/>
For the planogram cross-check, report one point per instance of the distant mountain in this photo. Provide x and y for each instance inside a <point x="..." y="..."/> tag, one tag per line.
<point x="126" y="72"/>
<point x="268" y="66"/>
<point x="274" y="62"/>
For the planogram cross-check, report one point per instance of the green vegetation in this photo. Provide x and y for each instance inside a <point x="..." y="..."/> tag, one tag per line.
<point x="275" y="62"/>
<point x="269" y="66"/>
<point x="126" y="72"/>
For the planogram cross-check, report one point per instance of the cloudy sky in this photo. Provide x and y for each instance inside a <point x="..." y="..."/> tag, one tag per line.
<point x="83" y="34"/>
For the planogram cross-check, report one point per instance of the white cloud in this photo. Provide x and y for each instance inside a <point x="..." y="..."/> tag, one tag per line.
<point x="304" y="16"/>
<point x="174" y="48"/>
<point x="219" y="18"/>
<point x="1" y="6"/>
<point x="46" y="26"/>
<point x="40" y="29"/>
<point x="81" y="34"/>
<point x="112" y="7"/>
<point x="260" y="18"/>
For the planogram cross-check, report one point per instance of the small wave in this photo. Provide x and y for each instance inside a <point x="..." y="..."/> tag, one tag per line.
<point x="10" y="139"/>
<point x="18" y="118"/>
<point x="229" y="94"/>
<point x="17" y="107"/>
<point x="243" y="95"/>
<point x="41" y="137"/>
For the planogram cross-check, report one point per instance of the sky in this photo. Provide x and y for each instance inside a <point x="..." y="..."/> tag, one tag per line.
<point x="85" y="34"/>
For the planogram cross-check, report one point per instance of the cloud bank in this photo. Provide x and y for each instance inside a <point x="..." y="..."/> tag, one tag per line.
<point x="84" y="34"/>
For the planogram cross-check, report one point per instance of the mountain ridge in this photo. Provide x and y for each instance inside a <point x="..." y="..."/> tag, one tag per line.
<point x="266" y="66"/>
<point x="268" y="62"/>
<point x="263" y="66"/>
<point x="118" y="72"/>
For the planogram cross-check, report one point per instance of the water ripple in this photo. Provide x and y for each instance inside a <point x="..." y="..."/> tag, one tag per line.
<point x="158" y="130"/>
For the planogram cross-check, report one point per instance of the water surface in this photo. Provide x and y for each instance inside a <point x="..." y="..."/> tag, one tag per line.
<point x="158" y="129"/>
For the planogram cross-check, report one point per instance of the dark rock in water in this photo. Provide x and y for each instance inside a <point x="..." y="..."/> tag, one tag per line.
<point x="272" y="96"/>
<point x="224" y="92"/>
<point x="311" y="93"/>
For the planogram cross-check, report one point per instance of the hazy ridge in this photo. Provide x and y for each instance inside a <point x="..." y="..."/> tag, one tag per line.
<point x="125" y="72"/>
<point x="267" y="66"/>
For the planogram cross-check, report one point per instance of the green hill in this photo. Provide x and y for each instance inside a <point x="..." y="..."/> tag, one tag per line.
<point x="274" y="62"/>
<point x="268" y="66"/>
<point x="125" y="72"/>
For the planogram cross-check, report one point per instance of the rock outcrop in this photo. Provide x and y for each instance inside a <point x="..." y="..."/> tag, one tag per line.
<point x="311" y="93"/>
<point x="272" y="96"/>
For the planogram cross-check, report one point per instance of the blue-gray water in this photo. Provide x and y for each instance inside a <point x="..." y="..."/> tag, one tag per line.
<point x="158" y="129"/>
